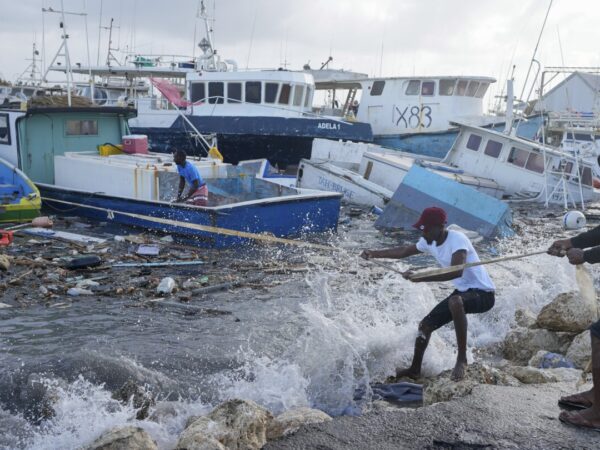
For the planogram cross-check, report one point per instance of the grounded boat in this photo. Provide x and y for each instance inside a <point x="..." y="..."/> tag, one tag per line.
<point x="368" y="174"/>
<point x="414" y="114"/>
<point x="58" y="149"/>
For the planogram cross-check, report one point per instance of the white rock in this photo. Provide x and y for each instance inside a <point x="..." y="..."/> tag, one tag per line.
<point x="290" y="421"/>
<point x="166" y="286"/>
<point x="580" y="350"/>
<point x="126" y="438"/>
<point x="4" y="305"/>
<point x="523" y="343"/>
<point x="236" y="424"/>
<point x="532" y="375"/>
<point x="87" y="283"/>
<point x="567" y="312"/>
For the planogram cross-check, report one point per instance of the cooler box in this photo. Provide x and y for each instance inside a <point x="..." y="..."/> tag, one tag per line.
<point x="135" y="143"/>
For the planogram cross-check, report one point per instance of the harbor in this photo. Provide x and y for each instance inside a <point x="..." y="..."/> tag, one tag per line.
<point x="393" y="247"/>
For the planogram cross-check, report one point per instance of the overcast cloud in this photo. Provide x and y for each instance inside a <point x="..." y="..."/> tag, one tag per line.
<point x="378" y="37"/>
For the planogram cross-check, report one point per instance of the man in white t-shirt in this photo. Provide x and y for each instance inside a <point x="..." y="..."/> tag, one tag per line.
<point x="473" y="294"/>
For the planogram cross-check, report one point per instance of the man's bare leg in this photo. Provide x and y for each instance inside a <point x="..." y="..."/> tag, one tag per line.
<point x="414" y="371"/>
<point x="589" y="417"/>
<point x="460" y="325"/>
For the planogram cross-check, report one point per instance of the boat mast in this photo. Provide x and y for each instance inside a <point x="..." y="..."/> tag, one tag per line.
<point x="35" y="75"/>
<point x="63" y="50"/>
<point x="206" y="44"/>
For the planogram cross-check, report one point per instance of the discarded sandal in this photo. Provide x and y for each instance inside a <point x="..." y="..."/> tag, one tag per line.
<point x="576" y="420"/>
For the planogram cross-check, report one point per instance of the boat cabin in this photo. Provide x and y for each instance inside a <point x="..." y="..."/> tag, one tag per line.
<point x="256" y="93"/>
<point x="408" y="105"/>
<point x="525" y="169"/>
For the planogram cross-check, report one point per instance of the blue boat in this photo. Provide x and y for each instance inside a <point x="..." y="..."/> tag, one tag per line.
<point x="58" y="148"/>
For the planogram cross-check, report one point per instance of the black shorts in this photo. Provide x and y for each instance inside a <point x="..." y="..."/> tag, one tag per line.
<point x="475" y="301"/>
<point x="595" y="329"/>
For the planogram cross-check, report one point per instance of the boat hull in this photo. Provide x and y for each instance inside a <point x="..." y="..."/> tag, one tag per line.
<point x="438" y="144"/>
<point x="281" y="217"/>
<point x="282" y="141"/>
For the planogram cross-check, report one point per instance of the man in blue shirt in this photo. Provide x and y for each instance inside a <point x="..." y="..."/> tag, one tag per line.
<point x="198" y="193"/>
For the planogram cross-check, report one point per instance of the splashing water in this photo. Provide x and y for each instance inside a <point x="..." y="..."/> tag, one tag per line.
<point x="308" y="342"/>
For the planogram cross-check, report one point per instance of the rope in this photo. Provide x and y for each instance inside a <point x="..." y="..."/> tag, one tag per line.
<point x="198" y="227"/>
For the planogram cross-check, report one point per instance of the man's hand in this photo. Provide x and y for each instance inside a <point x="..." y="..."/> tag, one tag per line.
<point x="408" y="275"/>
<point x="575" y="256"/>
<point x="560" y="247"/>
<point x="367" y="254"/>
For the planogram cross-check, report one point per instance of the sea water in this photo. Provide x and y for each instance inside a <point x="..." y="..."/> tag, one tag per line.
<point x="311" y="340"/>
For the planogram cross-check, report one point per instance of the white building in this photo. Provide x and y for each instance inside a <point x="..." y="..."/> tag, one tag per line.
<point x="578" y="92"/>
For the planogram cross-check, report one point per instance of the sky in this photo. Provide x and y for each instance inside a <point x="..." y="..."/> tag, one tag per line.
<point x="376" y="37"/>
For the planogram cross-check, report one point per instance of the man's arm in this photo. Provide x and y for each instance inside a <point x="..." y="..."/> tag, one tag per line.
<point x="392" y="253"/>
<point x="584" y="240"/>
<point x="193" y="188"/>
<point x="458" y="258"/>
<point x="180" y="190"/>
<point x="579" y="256"/>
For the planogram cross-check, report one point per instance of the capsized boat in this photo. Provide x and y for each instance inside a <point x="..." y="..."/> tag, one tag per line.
<point x="58" y="148"/>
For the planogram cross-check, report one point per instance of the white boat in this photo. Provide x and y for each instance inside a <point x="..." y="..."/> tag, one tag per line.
<point x="525" y="169"/>
<point x="409" y="113"/>
<point x="368" y="174"/>
<point x="577" y="133"/>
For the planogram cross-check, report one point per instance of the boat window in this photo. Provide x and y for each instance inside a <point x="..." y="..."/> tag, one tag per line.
<point x="474" y="142"/>
<point x="493" y="148"/>
<point x="461" y="87"/>
<point x="535" y="163"/>
<point x="234" y="92"/>
<point x="518" y="157"/>
<point x="298" y="94"/>
<point x="447" y="87"/>
<point x="377" y="88"/>
<point x="82" y="127"/>
<point x="472" y="89"/>
<point x="28" y="92"/>
<point x="308" y="96"/>
<point x="413" y="88"/>
<point x="586" y="177"/>
<point x="271" y="92"/>
<point x="428" y="88"/>
<point x="568" y="168"/>
<point x="4" y="130"/>
<point x="198" y="92"/>
<point x="284" y="95"/>
<point x="580" y="137"/>
<point x="483" y="87"/>
<point x="253" y="91"/>
<point x="216" y="92"/>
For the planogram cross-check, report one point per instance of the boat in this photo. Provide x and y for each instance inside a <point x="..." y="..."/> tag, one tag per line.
<point x="20" y="200"/>
<point x="413" y="114"/>
<point x="525" y="169"/>
<point x="252" y="113"/>
<point x="61" y="150"/>
<point x="573" y="132"/>
<point x="368" y="174"/>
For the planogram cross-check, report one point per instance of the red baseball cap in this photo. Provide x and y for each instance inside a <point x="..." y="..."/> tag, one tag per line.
<point x="431" y="217"/>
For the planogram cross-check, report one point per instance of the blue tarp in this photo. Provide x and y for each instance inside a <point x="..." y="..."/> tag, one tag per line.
<point x="465" y="206"/>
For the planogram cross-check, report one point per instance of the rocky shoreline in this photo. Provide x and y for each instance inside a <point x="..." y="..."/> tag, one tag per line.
<point x="508" y="402"/>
